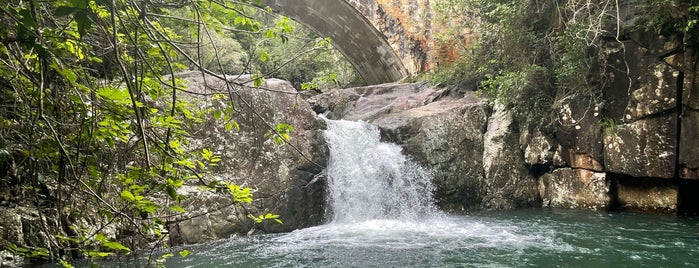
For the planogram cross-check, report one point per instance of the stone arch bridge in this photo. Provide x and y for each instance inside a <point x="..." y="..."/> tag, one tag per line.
<point x="385" y="40"/>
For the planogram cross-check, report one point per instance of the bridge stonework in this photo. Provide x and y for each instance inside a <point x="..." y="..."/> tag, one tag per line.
<point x="385" y="40"/>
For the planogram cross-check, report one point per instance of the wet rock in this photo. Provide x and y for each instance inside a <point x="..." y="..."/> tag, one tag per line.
<point x="689" y="145"/>
<point x="575" y="188"/>
<point x="689" y="136"/>
<point x="508" y="183"/>
<point x="645" y="148"/>
<point x="446" y="136"/>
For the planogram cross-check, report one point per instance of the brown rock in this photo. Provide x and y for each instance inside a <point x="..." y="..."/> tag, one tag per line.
<point x="583" y="161"/>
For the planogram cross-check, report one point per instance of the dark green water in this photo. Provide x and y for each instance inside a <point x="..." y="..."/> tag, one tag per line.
<point x="522" y="238"/>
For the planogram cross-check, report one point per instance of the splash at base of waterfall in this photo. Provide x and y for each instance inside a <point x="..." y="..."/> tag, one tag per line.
<point x="520" y="238"/>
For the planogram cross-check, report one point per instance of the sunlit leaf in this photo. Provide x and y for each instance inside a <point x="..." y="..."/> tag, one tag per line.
<point x="128" y="196"/>
<point x="184" y="253"/>
<point x="116" y="246"/>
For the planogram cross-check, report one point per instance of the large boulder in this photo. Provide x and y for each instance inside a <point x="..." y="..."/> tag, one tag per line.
<point x="508" y="182"/>
<point x="284" y="177"/>
<point x="446" y="136"/>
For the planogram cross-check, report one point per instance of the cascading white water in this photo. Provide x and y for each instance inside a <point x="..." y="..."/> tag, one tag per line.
<point x="372" y="180"/>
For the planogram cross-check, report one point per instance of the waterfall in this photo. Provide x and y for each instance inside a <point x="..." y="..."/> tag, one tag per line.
<point x="373" y="180"/>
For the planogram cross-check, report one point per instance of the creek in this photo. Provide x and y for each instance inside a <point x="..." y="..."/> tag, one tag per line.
<point x="381" y="214"/>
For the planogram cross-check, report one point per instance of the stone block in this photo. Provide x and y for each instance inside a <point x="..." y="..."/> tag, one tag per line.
<point x="579" y="126"/>
<point x="646" y="195"/>
<point x="645" y="148"/>
<point x="655" y="92"/>
<point x="575" y="188"/>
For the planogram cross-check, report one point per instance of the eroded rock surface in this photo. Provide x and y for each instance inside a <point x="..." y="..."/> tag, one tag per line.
<point x="281" y="175"/>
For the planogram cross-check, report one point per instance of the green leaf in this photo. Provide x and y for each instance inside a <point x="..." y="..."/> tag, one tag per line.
<point x="240" y="195"/>
<point x="258" y="80"/>
<point x="264" y="56"/>
<point x="172" y="192"/>
<point x="116" y="246"/>
<point x="232" y="124"/>
<point x="84" y="22"/>
<point x="98" y="254"/>
<point x="128" y="196"/>
<point x="175" y="182"/>
<point x="69" y="75"/>
<point x="177" y="209"/>
<point x="65" y="264"/>
<point x="147" y="206"/>
<point x="184" y="253"/>
<point x="206" y="153"/>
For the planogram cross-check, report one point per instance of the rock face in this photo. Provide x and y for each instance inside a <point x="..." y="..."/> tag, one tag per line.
<point x="508" y="182"/>
<point x="447" y="136"/>
<point x="641" y="133"/>
<point x="646" y="194"/>
<point x="281" y="175"/>
<point x="644" y="148"/>
<point x="689" y="136"/>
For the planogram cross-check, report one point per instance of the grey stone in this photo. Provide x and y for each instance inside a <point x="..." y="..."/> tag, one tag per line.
<point x="647" y="195"/>
<point x="539" y="150"/>
<point x="447" y="137"/>
<point x="508" y="183"/>
<point x="645" y="148"/>
<point x="575" y="188"/>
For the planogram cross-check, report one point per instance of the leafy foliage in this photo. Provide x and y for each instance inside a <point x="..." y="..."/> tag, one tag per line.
<point x="530" y="53"/>
<point x="92" y="124"/>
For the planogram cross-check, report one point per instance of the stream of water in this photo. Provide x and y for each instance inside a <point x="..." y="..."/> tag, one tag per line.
<point x="382" y="215"/>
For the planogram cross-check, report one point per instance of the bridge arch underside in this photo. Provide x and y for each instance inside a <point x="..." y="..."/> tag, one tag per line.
<point x="352" y="34"/>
